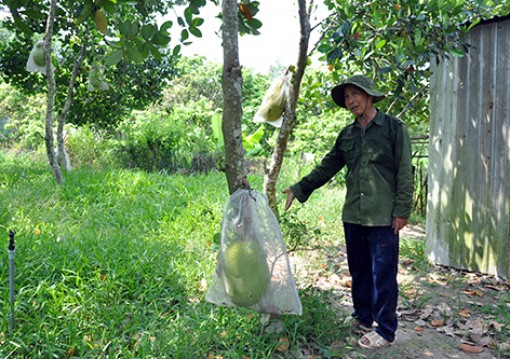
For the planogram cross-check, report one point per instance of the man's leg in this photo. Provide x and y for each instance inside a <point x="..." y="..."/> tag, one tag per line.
<point x="360" y="268"/>
<point x="384" y="245"/>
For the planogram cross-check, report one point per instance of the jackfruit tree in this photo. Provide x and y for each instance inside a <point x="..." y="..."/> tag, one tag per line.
<point x="235" y="20"/>
<point x="388" y="40"/>
<point x="124" y="37"/>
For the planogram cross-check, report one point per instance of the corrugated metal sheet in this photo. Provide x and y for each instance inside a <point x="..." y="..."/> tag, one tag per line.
<point x="468" y="210"/>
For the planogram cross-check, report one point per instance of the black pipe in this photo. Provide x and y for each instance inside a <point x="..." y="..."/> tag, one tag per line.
<point x="11" y="278"/>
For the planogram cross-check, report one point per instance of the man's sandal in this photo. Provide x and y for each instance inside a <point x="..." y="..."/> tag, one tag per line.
<point x="373" y="340"/>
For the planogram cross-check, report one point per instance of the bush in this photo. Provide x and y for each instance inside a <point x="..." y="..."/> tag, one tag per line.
<point x="23" y="118"/>
<point x="156" y="141"/>
<point x="90" y="146"/>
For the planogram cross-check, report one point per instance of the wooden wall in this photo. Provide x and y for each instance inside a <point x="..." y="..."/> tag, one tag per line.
<point x="468" y="208"/>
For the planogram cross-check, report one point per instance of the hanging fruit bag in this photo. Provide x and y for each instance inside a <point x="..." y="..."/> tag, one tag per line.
<point x="36" y="60"/>
<point x="273" y="104"/>
<point x="253" y="268"/>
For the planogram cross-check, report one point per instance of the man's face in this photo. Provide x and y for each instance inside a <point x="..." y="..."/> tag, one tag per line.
<point x="356" y="100"/>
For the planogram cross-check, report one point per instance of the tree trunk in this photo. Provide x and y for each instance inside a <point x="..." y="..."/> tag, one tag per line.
<point x="50" y="107"/>
<point x="62" y="157"/>
<point x="289" y="117"/>
<point x="232" y="84"/>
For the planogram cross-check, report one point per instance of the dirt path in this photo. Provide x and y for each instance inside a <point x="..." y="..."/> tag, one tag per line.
<point x="443" y="313"/>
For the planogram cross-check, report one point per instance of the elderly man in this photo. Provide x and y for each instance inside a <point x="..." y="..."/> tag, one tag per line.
<point x="376" y="149"/>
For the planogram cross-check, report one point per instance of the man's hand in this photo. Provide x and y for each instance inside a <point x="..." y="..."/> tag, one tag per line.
<point x="398" y="224"/>
<point x="290" y="198"/>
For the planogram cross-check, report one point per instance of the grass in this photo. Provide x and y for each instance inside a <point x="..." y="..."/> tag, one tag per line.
<point x="114" y="264"/>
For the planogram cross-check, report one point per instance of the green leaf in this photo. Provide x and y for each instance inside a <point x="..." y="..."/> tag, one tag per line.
<point x="334" y="55"/>
<point x="177" y="50"/>
<point x="133" y="53"/>
<point x="324" y="47"/>
<point x="148" y="31"/>
<point x="129" y="29"/>
<point x="86" y="12"/>
<point x="255" y="23"/>
<point x="195" y="31"/>
<point x="188" y="15"/>
<point x="458" y="52"/>
<point x="250" y="141"/>
<point x="216" y="120"/>
<point x="154" y="51"/>
<point x="114" y="58"/>
<point x="160" y="39"/>
<point x="109" y="6"/>
<point x="166" y="26"/>
<point x="198" y="21"/>
<point x="380" y="44"/>
<point x="184" y="35"/>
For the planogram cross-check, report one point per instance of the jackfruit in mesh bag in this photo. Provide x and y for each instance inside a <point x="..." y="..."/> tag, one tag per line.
<point x="96" y="79"/>
<point x="36" y="60"/>
<point x="253" y="269"/>
<point x="273" y="103"/>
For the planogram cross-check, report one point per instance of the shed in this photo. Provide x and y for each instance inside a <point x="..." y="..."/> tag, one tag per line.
<point x="468" y="204"/>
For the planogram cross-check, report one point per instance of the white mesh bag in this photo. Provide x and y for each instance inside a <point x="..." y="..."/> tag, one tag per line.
<point x="253" y="267"/>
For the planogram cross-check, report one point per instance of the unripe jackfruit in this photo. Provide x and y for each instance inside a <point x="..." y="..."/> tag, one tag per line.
<point x="38" y="55"/>
<point x="246" y="272"/>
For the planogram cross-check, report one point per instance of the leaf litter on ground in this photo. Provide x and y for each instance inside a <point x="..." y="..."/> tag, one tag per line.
<point x="456" y="310"/>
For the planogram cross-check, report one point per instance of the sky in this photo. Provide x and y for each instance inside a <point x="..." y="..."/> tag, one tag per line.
<point x="277" y="43"/>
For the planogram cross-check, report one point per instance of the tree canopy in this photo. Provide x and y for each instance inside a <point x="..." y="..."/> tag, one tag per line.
<point x="394" y="41"/>
<point x="127" y="38"/>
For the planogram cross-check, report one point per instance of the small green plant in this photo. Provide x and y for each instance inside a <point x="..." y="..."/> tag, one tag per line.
<point x="412" y="297"/>
<point x="115" y="263"/>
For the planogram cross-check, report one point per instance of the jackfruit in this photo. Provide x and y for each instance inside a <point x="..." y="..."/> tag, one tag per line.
<point x="101" y="21"/>
<point x="38" y="55"/>
<point x="95" y="77"/>
<point x="246" y="272"/>
<point x="273" y="103"/>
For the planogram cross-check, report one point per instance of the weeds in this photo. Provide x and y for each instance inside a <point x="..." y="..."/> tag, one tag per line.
<point x="115" y="264"/>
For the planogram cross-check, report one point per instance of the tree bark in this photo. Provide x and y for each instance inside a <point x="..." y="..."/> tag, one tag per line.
<point x="62" y="157"/>
<point x="289" y="117"/>
<point x="232" y="83"/>
<point x="50" y="106"/>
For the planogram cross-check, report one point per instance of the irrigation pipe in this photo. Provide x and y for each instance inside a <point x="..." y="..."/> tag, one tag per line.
<point x="11" y="278"/>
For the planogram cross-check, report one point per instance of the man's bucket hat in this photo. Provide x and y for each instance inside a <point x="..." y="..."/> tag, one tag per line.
<point x="364" y="83"/>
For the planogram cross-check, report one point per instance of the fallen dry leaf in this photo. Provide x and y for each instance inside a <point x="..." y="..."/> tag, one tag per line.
<point x="475" y="338"/>
<point x="470" y="348"/>
<point x="494" y="287"/>
<point x="497" y="326"/>
<point x="437" y="323"/>
<point x="426" y="312"/>
<point x="478" y="293"/>
<point x="419" y="329"/>
<point x="407" y="262"/>
<point x="476" y="326"/>
<point x="504" y="346"/>
<point x="487" y="342"/>
<point x="465" y="313"/>
<point x="284" y="345"/>
<point x="420" y="322"/>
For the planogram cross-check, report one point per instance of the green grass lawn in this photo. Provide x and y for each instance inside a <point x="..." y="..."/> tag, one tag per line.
<point x="114" y="263"/>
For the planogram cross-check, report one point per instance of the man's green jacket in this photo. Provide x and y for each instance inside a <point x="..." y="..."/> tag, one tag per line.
<point x="379" y="171"/>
